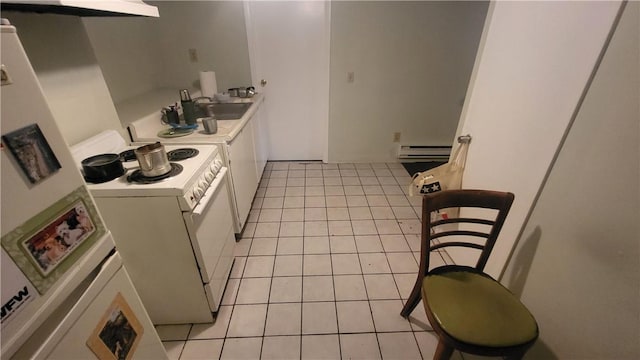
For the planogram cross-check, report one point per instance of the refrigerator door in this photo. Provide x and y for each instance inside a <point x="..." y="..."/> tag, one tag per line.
<point x="107" y="320"/>
<point x="37" y="166"/>
<point x="32" y="310"/>
<point x="43" y="195"/>
<point x="53" y="237"/>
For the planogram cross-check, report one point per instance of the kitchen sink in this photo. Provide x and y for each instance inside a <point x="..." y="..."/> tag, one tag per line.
<point x="228" y="111"/>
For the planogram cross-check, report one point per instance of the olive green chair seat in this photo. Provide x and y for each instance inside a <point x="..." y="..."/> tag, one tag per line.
<point x="468" y="310"/>
<point x="477" y="310"/>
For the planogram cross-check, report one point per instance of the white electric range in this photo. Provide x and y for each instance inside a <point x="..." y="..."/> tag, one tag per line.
<point x="175" y="233"/>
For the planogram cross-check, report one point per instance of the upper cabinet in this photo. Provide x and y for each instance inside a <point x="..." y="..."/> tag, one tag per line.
<point x="83" y="7"/>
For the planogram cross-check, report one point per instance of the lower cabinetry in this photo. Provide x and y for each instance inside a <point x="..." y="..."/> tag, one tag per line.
<point x="247" y="155"/>
<point x="260" y="139"/>
<point x="242" y="162"/>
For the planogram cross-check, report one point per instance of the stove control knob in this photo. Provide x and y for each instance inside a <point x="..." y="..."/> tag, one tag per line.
<point x="195" y="197"/>
<point x="209" y="176"/>
<point x="203" y="185"/>
<point x="217" y="164"/>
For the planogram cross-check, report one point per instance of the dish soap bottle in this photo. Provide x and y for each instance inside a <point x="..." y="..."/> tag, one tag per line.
<point x="188" y="107"/>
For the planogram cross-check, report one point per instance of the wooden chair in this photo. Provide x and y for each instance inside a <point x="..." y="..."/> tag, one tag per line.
<point x="469" y="310"/>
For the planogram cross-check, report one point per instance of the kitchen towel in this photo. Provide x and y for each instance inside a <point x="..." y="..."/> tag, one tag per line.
<point x="208" y="83"/>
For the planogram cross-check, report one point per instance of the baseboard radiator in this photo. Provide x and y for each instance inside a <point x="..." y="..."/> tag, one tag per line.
<point x="414" y="153"/>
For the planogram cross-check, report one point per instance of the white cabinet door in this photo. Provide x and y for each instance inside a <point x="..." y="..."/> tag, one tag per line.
<point x="260" y="139"/>
<point x="242" y="161"/>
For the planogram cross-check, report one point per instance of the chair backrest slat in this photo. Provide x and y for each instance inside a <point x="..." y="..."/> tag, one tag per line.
<point x="462" y="220"/>
<point x="461" y="233"/>
<point x="456" y="243"/>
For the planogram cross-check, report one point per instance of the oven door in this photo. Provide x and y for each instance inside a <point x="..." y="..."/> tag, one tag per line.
<point x="210" y="227"/>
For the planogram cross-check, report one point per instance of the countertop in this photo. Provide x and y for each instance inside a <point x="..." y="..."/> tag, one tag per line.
<point x="147" y="126"/>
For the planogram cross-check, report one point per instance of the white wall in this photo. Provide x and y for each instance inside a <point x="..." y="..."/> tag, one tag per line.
<point x="216" y="29"/>
<point x="577" y="265"/>
<point x="71" y="78"/>
<point x="412" y="62"/>
<point x="140" y="54"/>
<point x="534" y="64"/>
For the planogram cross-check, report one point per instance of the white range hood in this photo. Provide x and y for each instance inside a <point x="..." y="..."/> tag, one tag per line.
<point x="83" y="7"/>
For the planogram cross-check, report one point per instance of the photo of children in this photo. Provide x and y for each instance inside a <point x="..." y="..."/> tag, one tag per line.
<point x="33" y="153"/>
<point x="53" y="243"/>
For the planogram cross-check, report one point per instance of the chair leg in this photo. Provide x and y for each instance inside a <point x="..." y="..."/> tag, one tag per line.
<point x="413" y="299"/>
<point x="443" y="351"/>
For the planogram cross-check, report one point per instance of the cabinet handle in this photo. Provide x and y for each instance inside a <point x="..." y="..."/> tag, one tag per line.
<point x="263" y="82"/>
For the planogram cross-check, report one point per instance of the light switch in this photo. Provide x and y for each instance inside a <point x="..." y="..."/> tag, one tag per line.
<point x="193" y="55"/>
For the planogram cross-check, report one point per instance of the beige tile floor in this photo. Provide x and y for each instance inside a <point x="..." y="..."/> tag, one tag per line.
<point x="327" y="258"/>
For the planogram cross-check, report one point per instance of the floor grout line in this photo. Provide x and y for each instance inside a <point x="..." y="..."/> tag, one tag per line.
<point x="348" y="185"/>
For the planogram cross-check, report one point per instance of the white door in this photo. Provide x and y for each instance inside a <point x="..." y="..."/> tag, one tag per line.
<point x="289" y="50"/>
<point x="534" y="62"/>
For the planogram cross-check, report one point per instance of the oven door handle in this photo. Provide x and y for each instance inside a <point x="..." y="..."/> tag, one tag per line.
<point x="208" y="195"/>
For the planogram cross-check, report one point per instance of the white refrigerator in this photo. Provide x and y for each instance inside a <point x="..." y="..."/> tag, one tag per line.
<point x="65" y="292"/>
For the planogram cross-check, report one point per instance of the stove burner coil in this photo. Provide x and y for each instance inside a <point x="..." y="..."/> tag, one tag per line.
<point x="137" y="177"/>
<point x="182" y="154"/>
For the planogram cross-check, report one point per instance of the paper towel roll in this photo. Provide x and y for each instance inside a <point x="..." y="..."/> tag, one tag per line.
<point x="208" y="83"/>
